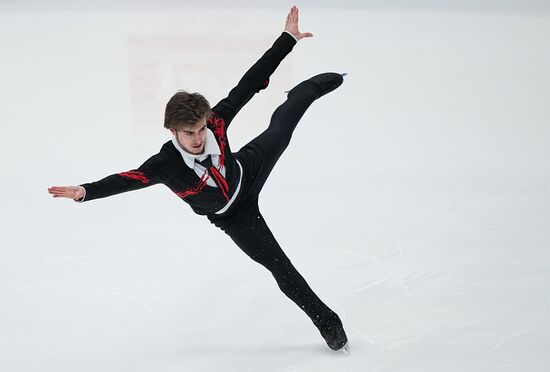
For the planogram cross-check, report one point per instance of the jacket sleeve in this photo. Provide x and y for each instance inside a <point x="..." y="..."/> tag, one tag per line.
<point x="146" y="175"/>
<point x="256" y="78"/>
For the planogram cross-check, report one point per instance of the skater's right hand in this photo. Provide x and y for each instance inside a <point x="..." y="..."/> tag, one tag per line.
<point x="72" y="192"/>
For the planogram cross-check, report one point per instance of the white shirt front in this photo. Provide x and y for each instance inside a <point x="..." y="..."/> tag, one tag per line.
<point x="212" y="149"/>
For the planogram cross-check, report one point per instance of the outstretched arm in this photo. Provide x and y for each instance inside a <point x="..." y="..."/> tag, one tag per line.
<point x="144" y="176"/>
<point x="257" y="77"/>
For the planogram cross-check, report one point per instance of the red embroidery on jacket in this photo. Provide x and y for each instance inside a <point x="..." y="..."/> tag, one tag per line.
<point x="193" y="190"/>
<point x="219" y="131"/>
<point x="135" y="175"/>
<point x="218" y="123"/>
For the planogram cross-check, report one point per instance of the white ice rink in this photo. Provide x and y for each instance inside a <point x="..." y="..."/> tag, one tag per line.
<point x="433" y="243"/>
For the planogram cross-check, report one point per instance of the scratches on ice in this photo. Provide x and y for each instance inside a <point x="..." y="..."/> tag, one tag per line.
<point x="505" y="340"/>
<point x="401" y="343"/>
<point x="500" y="343"/>
<point x="135" y="299"/>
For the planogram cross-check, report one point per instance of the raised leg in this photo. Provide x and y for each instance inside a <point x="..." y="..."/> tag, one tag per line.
<point x="261" y="154"/>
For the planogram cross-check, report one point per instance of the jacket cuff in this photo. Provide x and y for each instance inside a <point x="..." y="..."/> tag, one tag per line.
<point x="294" y="37"/>
<point x="82" y="198"/>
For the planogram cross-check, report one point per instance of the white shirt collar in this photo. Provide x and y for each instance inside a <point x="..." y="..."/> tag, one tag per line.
<point x="210" y="148"/>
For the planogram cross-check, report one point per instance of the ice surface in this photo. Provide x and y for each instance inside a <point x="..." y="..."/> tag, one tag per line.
<point x="430" y="236"/>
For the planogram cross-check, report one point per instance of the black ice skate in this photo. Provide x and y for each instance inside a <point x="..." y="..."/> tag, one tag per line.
<point x="323" y="83"/>
<point x="333" y="332"/>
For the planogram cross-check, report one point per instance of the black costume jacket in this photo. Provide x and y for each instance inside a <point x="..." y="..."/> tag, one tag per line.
<point x="168" y="167"/>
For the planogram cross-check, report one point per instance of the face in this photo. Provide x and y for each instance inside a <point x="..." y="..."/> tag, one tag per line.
<point x="191" y="137"/>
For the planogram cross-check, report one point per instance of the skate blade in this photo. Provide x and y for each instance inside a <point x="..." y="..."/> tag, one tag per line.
<point x="345" y="349"/>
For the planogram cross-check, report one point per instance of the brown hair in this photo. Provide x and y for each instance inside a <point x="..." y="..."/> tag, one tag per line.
<point x="186" y="108"/>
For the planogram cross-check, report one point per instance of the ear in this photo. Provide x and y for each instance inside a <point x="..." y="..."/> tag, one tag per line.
<point x="173" y="131"/>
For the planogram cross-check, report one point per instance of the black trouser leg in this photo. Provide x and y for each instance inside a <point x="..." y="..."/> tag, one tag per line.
<point x="251" y="233"/>
<point x="245" y="224"/>
<point x="260" y="155"/>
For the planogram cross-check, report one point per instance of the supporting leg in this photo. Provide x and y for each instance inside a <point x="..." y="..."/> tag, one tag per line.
<point x="251" y="233"/>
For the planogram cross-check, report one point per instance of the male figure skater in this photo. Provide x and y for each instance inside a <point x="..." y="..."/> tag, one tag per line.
<point x="199" y="167"/>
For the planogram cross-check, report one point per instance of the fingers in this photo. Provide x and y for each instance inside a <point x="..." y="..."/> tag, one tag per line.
<point x="57" y="189"/>
<point x="54" y="190"/>
<point x="292" y="16"/>
<point x="61" y="192"/>
<point x="289" y="18"/>
<point x="57" y="194"/>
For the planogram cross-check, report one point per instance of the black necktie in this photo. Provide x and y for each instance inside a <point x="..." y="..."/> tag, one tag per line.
<point x="216" y="175"/>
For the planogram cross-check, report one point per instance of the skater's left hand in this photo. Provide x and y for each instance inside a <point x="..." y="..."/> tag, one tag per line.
<point x="291" y="24"/>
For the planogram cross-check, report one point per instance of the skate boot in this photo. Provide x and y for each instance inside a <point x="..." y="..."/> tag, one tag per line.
<point x="332" y="330"/>
<point x="320" y="84"/>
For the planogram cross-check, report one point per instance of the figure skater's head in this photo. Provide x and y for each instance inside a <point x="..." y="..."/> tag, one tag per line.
<point x="186" y="116"/>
